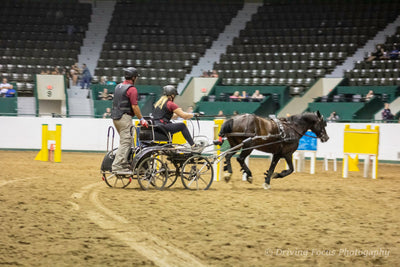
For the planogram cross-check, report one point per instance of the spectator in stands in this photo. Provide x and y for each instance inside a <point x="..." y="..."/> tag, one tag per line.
<point x="55" y="71"/>
<point x="75" y="72"/>
<point x="235" y="96"/>
<point x="11" y="93"/>
<point x="378" y="54"/>
<point x="369" y="96"/>
<point x="333" y="117"/>
<point x="244" y="95"/>
<point x="205" y="74"/>
<point x="125" y="106"/>
<point x="164" y="110"/>
<point x="86" y="77"/>
<point x="214" y="74"/>
<point x="103" y="80"/>
<point x="394" y="54"/>
<point x="220" y="115"/>
<point x="45" y="72"/>
<point x="107" y="114"/>
<point x="4" y="87"/>
<point x="104" y="95"/>
<point x="111" y="83"/>
<point x="257" y="95"/>
<point x="387" y="113"/>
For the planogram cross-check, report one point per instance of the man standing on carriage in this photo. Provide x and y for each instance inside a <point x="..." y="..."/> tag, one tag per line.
<point x="165" y="108"/>
<point x="125" y="106"/>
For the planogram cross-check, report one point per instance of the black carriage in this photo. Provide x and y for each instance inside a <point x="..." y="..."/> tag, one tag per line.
<point x="156" y="162"/>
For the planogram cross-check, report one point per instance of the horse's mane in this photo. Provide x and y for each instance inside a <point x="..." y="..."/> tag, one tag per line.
<point x="297" y="117"/>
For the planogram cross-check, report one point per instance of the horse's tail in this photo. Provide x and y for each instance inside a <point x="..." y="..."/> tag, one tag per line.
<point x="225" y="129"/>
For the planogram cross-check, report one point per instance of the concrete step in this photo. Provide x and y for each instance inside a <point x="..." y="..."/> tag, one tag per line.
<point x="95" y="35"/>
<point x="80" y="107"/>
<point x="93" y="43"/>
<point x="77" y="92"/>
<point x="26" y="106"/>
<point x="86" y="50"/>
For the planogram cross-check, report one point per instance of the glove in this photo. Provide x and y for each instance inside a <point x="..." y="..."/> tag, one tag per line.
<point x="144" y="123"/>
<point x="219" y="142"/>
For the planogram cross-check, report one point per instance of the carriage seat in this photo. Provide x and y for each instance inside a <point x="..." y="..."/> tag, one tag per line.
<point x="154" y="133"/>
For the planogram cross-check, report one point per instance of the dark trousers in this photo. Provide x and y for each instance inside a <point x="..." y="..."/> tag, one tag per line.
<point x="179" y="127"/>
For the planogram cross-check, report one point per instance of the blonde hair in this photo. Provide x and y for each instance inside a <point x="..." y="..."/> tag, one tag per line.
<point x="161" y="101"/>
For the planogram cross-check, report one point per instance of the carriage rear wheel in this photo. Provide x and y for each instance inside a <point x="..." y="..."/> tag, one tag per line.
<point x="173" y="169"/>
<point x="197" y="173"/>
<point x="115" y="180"/>
<point x="152" y="172"/>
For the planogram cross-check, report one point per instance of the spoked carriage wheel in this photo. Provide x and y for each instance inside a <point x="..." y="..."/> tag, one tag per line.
<point x="116" y="181"/>
<point x="173" y="174"/>
<point x="173" y="170"/>
<point x="172" y="177"/>
<point x="152" y="172"/>
<point x="197" y="173"/>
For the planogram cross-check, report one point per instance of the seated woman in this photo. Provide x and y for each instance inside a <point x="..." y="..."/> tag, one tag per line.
<point x="235" y="97"/>
<point x="257" y="95"/>
<point x="165" y="109"/>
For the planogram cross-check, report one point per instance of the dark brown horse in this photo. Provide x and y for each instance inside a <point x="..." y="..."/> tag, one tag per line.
<point x="277" y="136"/>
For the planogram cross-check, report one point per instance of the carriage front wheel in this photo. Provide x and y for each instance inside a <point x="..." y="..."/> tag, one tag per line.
<point x="152" y="172"/>
<point x="197" y="173"/>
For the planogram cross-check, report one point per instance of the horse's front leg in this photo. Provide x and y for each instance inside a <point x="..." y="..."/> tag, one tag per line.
<point x="268" y="174"/>
<point x="242" y="161"/>
<point x="289" y="161"/>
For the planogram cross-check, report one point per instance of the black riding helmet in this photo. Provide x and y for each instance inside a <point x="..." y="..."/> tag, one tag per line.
<point x="130" y="73"/>
<point x="169" y="90"/>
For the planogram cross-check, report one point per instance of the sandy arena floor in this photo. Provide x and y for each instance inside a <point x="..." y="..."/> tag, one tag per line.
<point x="63" y="214"/>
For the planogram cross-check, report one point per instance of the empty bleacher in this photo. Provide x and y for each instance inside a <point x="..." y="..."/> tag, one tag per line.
<point x="39" y="36"/>
<point x="163" y="39"/>
<point x="294" y="43"/>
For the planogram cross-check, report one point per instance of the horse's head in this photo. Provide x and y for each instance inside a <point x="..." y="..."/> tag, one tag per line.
<point x="319" y="127"/>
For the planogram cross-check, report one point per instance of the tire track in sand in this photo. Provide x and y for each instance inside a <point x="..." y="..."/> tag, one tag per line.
<point x="159" y="251"/>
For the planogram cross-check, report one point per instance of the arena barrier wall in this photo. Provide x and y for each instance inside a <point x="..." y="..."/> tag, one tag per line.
<point x="89" y="134"/>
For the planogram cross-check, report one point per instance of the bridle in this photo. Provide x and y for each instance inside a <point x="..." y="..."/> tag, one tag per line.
<point x="320" y="120"/>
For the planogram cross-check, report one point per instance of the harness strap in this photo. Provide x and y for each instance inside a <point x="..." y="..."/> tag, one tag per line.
<point x="241" y="134"/>
<point x="282" y="132"/>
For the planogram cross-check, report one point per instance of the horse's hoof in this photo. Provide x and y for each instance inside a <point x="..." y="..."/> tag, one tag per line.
<point x="266" y="186"/>
<point x="227" y="176"/>
<point x="249" y="179"/>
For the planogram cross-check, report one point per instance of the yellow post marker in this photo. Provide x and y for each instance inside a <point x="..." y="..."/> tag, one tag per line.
<point x="353" y="164"/>
<point x="47" y="135"/>
<point x="217" y="165"/>
<point x="361" y="141"/>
